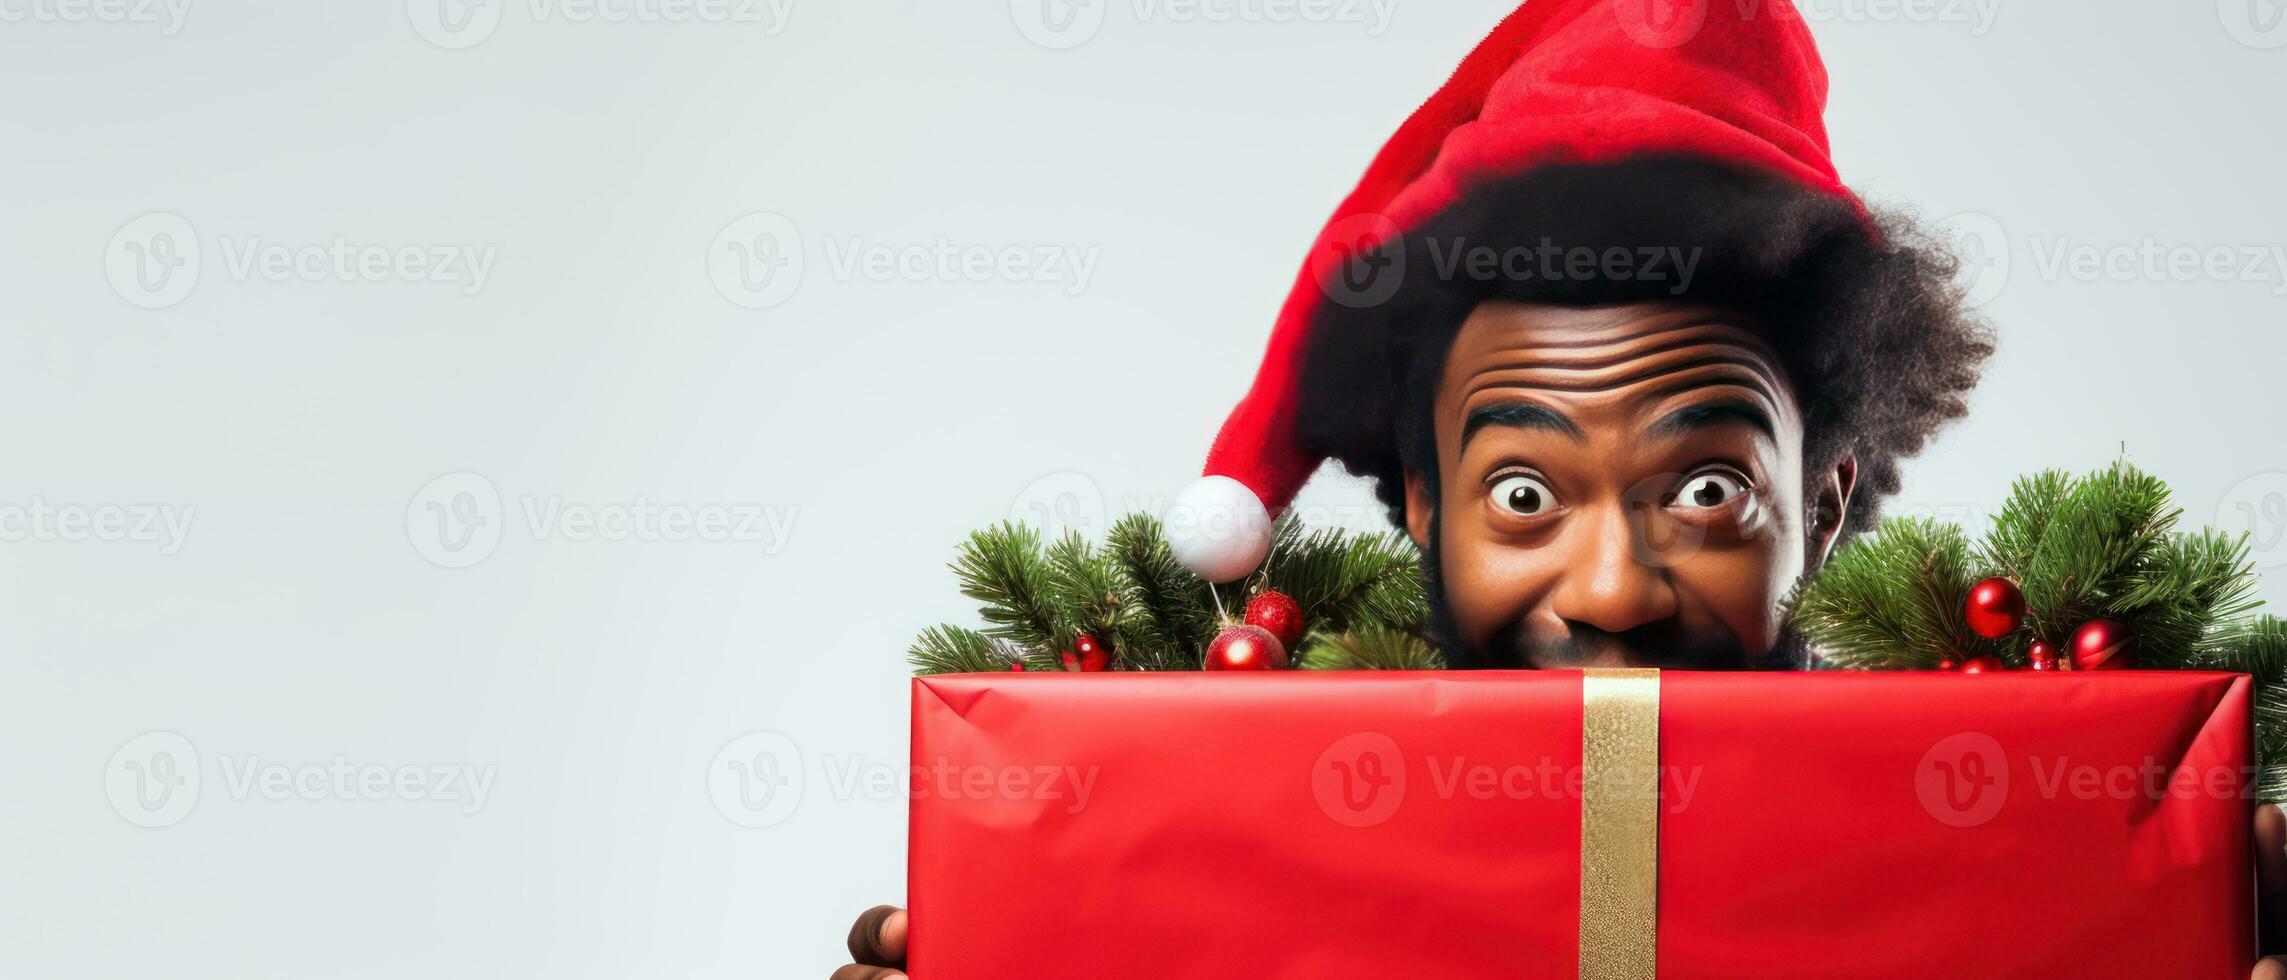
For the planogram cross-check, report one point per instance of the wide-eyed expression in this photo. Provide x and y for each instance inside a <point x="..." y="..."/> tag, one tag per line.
<point x="1616" y="485"/>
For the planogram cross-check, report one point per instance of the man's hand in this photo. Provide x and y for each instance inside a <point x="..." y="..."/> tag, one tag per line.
<point x="2271" y="890"/>
<point x="877" y="943"/>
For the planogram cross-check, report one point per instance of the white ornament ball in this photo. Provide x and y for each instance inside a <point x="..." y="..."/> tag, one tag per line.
<point x="1218" y="529"/>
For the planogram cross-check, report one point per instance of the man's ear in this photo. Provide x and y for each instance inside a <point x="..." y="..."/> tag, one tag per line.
<point x="1832" y="506"/>
<point x="1418" y="509"/>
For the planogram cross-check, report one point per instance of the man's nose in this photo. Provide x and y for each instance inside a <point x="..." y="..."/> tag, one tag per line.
<point x="1605" y="585"/>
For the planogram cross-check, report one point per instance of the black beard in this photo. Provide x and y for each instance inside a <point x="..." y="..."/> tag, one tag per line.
<point x="1662" y="644"/>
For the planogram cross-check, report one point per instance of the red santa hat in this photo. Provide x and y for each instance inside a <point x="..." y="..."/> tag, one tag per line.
<point x="1574" y="81"/>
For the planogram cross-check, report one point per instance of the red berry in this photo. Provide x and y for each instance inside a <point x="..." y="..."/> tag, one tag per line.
<point x="1983" y="665"/>
<point x="2101" y="644"/>
<point x="1277" y="612"/>
<point x="1995" y="608"/>
<point x="1949" y="663"/>
<point x="1016" y="666"/>
<point x="1245" y="648"/>
<point x="1087" y="655"/>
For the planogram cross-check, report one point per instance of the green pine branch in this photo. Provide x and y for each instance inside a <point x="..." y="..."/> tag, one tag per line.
<point x="2188" y="591"/>
<point x="2099" y="536"/>
<point x="2256" y="646"/>
<point x="1893" y="599"/>
<point x="2098" y="546"/>
<point x="1086" y="590"/>
<point x="1154" y="614"/>
<point x="1173" y="615"/>
<point x="2017" y="530"/>
<point x="954" y="650"/>
<point x="1344" y="580"/>
<point x="2271" y="742"/>
<point x="1002" y="567"/>
<point x="1369" y="648"/>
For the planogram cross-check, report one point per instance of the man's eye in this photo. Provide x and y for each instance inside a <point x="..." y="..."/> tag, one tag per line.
<point x="1523" y="495"/>
<point x="1709" y="488"/>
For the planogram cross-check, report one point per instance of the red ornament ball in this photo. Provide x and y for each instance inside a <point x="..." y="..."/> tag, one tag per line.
<point x="2044" y="657"/>
<point x="1995" y="608"/>
<point x="1245" y="648"/>
<point x="1983" y="665"/>
<point x="2101" y="644"/>
<point x="1949" y="663"/>
<point x="1277" y="612"/>
<point x="1087" y="655"/>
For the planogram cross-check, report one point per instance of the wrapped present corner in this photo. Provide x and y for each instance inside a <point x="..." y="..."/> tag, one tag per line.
<point x="1600" y="824"/>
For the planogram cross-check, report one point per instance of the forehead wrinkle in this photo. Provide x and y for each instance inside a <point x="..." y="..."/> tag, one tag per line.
<point x="1773" y="414"/>
<point x="1714" y="326"/>
<point x="1537" y="377"/>
<point x="1594" y="351"/>
<point x="1753" y="384"/>
<point x="1592" y="338"/>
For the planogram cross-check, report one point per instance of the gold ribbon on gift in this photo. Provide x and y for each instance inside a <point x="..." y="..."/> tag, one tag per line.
<point x="1619" y="824"/>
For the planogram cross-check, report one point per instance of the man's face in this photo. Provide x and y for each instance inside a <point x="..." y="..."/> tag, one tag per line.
<point x="1617" y="486"/>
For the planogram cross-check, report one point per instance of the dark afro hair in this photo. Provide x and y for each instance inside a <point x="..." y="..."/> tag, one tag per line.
<point x="1871" y="328"/>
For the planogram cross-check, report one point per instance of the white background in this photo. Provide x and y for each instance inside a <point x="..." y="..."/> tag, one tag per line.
<point x="295" y="424"/>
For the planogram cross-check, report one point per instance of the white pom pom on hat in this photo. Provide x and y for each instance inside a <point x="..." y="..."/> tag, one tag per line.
<point x="1218" y="529"/>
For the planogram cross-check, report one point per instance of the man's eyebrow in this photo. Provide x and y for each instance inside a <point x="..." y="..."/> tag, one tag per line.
<point x="1710" y="414"/>
<point x="1519" y="415"/>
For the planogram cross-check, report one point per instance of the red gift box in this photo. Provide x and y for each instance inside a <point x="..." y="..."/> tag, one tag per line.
<point x="1555" y="824"/>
